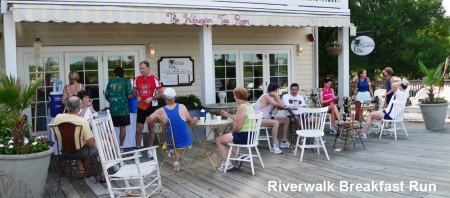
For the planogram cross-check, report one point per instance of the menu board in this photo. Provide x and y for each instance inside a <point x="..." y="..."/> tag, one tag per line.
<point x="176" y="71"/>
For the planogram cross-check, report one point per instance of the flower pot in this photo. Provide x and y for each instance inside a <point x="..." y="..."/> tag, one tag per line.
<point x="24" y="175"/>
<point x="434" y="115"/>
<point x="333" y="51"/>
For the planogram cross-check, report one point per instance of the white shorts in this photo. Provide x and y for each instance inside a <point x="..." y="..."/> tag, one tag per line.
<point x="363" y="96"/>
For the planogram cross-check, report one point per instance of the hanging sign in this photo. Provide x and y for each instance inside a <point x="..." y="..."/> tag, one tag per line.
<point x="176" y="71"/>
<point x="363" y="45"/>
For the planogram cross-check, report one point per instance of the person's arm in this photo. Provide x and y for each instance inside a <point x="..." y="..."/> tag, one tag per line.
<point x="275" y="101"/>
<point x="240" y="114"/>
<point x="107" y="93"/>
<point x="189" y="120"/>
<point x="285" y="100"/>
<point x="138" y="98"/>
<point x="370" y="88"/>
<point x="391" y="81"/>
<point x="325" y="101"/>
<point x="129" y="91"/>
<point x="88" y="136"/>
<point x="158" y="95"/>
<point x="82" y="112"/>
<point x="394" y="87"/>
<point x="63" y="99"/>
<point x="226" y="114"/>
<point x="90" y="142"/>
<point x="92" y="109"/>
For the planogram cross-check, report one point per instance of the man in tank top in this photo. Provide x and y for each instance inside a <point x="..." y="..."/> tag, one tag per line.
<point x="268" y="104"/>
<point x="179" y="117"/>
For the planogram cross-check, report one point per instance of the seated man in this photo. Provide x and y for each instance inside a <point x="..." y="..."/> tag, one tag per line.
<point x="73" y="106"/>
<point x="401" y="93"/>
<point x="179" y="117"/>
<point x="268" y="104"/>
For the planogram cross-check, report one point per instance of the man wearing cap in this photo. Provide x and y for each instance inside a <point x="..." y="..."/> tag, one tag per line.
<point x="268" y="104"/>
<point x="179" y="117"/>
<point x="149" y="90"/>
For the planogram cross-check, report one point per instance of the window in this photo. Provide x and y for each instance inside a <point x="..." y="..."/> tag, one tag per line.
<point x="127" y="64"/>
<point x="279" y="71"/>
<point x="225" y="75"/>
<point x="87" y="68"/>
<point x="253" y="75"/>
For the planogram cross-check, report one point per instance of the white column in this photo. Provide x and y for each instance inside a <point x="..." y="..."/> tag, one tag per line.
<point x="343" y="62"/>
<point x="316" y="57"/>
<point x="9" y="28"/>
<point x="206" y="64"/>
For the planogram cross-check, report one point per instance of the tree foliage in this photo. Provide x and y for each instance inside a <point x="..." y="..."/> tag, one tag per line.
<point x="405" y="32"/>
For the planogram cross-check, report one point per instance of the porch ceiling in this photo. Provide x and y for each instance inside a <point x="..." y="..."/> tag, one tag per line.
<point x="158" y="15"/>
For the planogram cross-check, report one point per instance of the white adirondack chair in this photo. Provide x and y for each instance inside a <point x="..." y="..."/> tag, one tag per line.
<point x="108" y="149"/>
<point x="252" y="142"/>
<point x="312" y="129"/>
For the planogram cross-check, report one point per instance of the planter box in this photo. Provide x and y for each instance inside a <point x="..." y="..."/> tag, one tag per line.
<point x="434" y="115"/>
<point x="24" y="175"/>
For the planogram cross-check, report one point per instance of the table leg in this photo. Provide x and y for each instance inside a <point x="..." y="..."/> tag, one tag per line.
<point x="202" y="147"/>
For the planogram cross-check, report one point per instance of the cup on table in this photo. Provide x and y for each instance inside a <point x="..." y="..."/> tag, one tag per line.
<point x="219" y="119"/>
<point x="296" y="104"/>
<point x="202" y="120"/>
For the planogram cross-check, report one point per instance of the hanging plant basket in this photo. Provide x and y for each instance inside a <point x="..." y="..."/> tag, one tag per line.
<point x="333" y="51"/>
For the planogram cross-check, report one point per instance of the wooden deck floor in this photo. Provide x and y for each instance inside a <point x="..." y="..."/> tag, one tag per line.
<point x="424" y="158"/>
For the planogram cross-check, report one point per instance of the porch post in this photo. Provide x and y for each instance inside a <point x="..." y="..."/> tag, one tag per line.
<point x="344" y="62"/>
<point x="316" y="58"/>
<point x="206" y="64"/>
<point x="9" y="28"/>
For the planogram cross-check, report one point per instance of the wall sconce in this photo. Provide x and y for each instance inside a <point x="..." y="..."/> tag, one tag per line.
<point x="151" y="50"/>
<point x="299" y="50"/>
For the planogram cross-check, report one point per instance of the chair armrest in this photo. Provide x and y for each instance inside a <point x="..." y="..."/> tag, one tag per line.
<point x="125" y="159"/>
<point x="144" y="149"/>
<point x="398" y="102"/>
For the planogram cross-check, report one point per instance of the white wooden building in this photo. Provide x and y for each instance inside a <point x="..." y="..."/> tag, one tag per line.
<point x="233" y="43"/>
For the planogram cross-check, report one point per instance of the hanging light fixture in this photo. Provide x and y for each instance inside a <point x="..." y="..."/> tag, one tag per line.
<point x="37" y="43"/>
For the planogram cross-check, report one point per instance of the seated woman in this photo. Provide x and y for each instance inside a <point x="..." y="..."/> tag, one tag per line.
<point x="401" y="93"/>
<point x="327" y="98"/>
<point x="239" y="134"/>
<point x="86" y="105"/>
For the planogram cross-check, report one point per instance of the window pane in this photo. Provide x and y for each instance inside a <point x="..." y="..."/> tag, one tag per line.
<point x="257" y="59"/>
<point x="76" y="63"/>
<point x="282" y="59"/>
<point x="128" y="62"/>
<point x="231" y="59"/>
<point x="41" y="95"/>
<point x="250" y="95"/>
<point x="258" y="83"/>
<point x="32" y="65"/>
<point x="51" y="64"/>
<point x="230" y="97"/>
<point x="220" y="72"/>
<point x="273" y="70"/>
<point x="41" y="110"/>
<point x="96" y="104"/>
<point x="258" y="93"/>
<point x="33" y="78"/>
<point x="248" y="83"/>
<point x="273" y="79"/>
<point x="258" y="71"/>
<point x="283" y="81"/>
<point x="128" y="74"/>
<point x="231" y="72"/>
<point x="110" y="75"/>
<point x="218" y="59"/>
<point x="48" y="81"/>
<point x="247" y="60"/>
<point x="91" y="77"/>
<point x="248" y="71"/>
<point x="219" y="84"/>
<point x="93" y="91"/>
<point x="231" y="84"/>
<point x="81" y="79"/>
<point x="283" y="71"/>
<point x="273" y="59"/>
<point x="113" y="62"/>
<point x="41" y="124"/>
<point x="90" y="63"/>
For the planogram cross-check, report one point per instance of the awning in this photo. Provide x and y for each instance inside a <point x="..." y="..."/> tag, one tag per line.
<point x="157" y="15"/>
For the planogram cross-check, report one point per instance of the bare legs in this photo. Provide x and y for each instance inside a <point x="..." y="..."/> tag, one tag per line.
<point x="334" y="114"/>
<point x="275" y="123"/>
<point x="222" y="144"/>
<point x="285" y="122"/>
<point x="151" y="135"/>
<point x="376" y="115"/>
<point x="123" y="133"/>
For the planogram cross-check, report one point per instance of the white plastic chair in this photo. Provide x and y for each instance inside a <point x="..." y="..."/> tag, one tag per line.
<point x="312" y="129"/>
<point x="252" y="142"/>
<point x="108" y="149"/>
<point x="267" y="137"/>
<point x="398" y="118"/>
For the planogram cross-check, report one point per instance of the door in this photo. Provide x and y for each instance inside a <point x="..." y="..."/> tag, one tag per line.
<point x="88" y="65"/>
<point x="252" y="67"/>
<point x="278" y="68"/>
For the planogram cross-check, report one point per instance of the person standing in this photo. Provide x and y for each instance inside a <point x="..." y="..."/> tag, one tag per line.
<point x="73" y="87"/>
<point x="149" y="89"/>
<point x="390" y="81"/>
<point x="363" y="89"/>
<point x="118" y="91"/>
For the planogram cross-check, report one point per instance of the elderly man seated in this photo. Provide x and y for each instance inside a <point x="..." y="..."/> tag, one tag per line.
<point x="73" y="106"/>
<point x="179" y="117"/>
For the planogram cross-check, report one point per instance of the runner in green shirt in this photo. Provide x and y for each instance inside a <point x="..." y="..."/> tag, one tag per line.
<point x="117" y="93"/>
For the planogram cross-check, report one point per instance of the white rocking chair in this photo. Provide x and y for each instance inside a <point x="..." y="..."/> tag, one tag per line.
<point x="252" y="142"/>
<point x="108" y="149"/>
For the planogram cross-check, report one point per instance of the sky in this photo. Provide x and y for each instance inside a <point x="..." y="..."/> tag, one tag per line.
<point x="446" y="4"/>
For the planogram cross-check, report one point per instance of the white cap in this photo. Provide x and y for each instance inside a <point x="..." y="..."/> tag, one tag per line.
<point x="169" y="92"/>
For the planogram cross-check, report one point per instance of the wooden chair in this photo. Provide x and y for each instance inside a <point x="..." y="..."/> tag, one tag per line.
<point x="163" y="129"/>
<point x="252" y="142"/>
<point x="312" y="130"/>
<point x="352" y="128"/>
<point x="147" y="173"/>
<point x="398" y="118"/>
<point x="66" y="131"/>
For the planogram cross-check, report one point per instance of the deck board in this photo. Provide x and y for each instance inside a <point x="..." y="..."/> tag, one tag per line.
<point x="422" y="157"/>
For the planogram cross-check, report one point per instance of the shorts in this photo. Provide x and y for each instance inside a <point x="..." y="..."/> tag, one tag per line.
<point x="143" y="114"/>
<point x="86" y="150"/>
<point x="298" y="115"/>
<point x="240" y="138"/>
<point x="386" y="116"/>
<point x="388" y="98"/>
<point x="121" y="120"/>
<point x="363" y="96"/>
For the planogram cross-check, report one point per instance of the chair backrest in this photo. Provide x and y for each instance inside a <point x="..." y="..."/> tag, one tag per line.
<point x="315" y="127"/>
<point x="65" y="136"/>
<point x="106" y="140"/>
<point x="358" y="108"/>
<point x="163" y="129"/>
<point x="254" y="128"/>
<point x="379" y="92"/>
<point x="399" y="106"/>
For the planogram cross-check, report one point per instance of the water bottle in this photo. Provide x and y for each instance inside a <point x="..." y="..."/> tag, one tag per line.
<point x="202" y="113"/>
<point x="208" y="118"/>
<point x="306" y="102"/>
<point x="54" y="84"/>
<point x="60" y="86"/>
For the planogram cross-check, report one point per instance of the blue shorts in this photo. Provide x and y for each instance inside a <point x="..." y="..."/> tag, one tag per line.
<point x="386" y="116"/>
<point x="298" y="115"/>
<point x="240" y="138"/>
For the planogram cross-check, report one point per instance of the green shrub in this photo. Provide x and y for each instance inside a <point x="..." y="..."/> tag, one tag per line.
<point x="6" y="122"/>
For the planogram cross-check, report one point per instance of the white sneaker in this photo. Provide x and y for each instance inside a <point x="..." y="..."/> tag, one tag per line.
<point x="238" y="163"/>
<point x="121" y="150"/>
<point x="378" y="132"/>
<point x="170" y="153"/>
<point x="275" y="149"/>
<point x="137" y="153"/>
<point x="374" y="125"/>
<point x="318" y="142"/>
<point x="222" y="167"/>
<point x="150" y="154"/>
<point x="333" y="131"/>
<point x="116" y="167"/>
<point x="177" y="167"/>
<point x="285" y="144"/>
<point x="363" y="135"/>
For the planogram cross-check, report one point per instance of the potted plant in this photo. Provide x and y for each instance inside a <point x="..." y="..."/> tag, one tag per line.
<point x="23" y="162"/>
<point x="333" y="48"/>
<point x="434" y="109"/>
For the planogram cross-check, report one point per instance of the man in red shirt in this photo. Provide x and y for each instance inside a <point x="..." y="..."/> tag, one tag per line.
<point x="149" y="89"/>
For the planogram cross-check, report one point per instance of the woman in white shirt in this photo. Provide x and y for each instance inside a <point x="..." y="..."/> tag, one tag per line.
<point x="401" y="93"/>
<point x="86" y="105"/>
